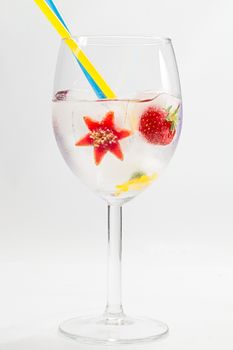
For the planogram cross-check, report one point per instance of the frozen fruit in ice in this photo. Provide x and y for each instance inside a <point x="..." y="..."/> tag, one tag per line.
<point x="138" y="181"/>
<point x="104" y="136"/>
<point x="158" y="125"/>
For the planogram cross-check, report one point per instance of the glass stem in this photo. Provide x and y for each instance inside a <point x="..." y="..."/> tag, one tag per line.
<point x="114" y="308"/>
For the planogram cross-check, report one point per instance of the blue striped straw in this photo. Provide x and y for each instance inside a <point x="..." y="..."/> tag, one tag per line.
<point x="99" y="93"/>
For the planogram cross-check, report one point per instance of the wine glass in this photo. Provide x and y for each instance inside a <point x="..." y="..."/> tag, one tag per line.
<point x="117" y="147"/>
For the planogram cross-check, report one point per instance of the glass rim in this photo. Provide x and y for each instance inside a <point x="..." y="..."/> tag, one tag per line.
<point x="118" y="40"/>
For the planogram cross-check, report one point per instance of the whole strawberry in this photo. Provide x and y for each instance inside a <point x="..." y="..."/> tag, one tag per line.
<point x="158" y="125"/>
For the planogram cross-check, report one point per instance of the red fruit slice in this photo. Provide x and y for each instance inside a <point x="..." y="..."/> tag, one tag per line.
<point x="116" y="150"/>
<point x="99" y="154"/>
<point x="104" y="137"/>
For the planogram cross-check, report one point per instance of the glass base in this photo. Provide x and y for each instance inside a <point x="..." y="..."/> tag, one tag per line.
<point x="121" y="330"/>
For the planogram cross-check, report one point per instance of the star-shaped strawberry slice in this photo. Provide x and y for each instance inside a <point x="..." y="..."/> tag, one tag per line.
<point x="104" y="136"/>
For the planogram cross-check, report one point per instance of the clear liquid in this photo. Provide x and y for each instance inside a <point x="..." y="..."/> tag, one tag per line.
<point x="142" y="163"/>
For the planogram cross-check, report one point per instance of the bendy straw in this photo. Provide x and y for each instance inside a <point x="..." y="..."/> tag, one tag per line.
<point x="99" y="85"/>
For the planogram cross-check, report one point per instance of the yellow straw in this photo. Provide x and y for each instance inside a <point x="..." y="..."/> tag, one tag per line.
<point x="82" y="58"/>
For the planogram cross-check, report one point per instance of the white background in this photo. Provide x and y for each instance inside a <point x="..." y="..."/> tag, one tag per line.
<point x="178" y="236"/>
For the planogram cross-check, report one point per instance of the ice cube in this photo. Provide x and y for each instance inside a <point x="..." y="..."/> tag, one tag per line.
<point x="81" y="94"/>
<point x="166" y="101"/>
<point x="97" y="111"/>
<point x="148" y="99"/>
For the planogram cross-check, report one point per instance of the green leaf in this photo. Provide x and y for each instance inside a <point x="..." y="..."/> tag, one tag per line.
<point x="176" y="110"/>
<point x="169" y="108"/>
<point x="137" y="175"/>
<point x="173" y="126"/>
